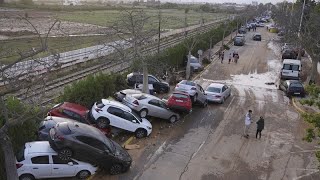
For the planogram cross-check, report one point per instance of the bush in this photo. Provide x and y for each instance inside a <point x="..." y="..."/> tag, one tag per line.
<point x="22" y="132"/>
<point x="205" y="60"/>
<point x="93" y="88"/>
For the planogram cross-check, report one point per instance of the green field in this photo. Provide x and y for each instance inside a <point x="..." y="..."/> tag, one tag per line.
<point x="58" y="44"/>
<point x="171" y="18"/>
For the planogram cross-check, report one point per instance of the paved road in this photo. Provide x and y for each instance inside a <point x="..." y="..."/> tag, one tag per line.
<point x="208" y="143"/>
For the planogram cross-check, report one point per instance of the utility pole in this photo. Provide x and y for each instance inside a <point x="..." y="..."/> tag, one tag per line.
<point x="159" y="28"/>
<point x="299" y="31"/>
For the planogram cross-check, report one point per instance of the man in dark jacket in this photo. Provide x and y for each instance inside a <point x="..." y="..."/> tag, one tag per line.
<point x="260" y="126"/>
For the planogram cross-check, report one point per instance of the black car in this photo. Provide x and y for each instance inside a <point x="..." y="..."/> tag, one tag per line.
<point x="238" y="41"/>
<point x="289" y="54"/>
<point x="256" y="37"/>
<point x="242" y="31"/>
<point x="159" y="86"/>
<point x="86" y="143"/>
<point x="292" y="88"/>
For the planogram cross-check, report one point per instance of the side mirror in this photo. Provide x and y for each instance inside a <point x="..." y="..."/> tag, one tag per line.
<point x="70" y="163"/>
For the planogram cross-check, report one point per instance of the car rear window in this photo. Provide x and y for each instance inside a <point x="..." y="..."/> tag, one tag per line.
<point x="298" y="85"/>
<point x="190" y="83"/>
<point x="20" y="154"/>
<point x="99" y="104"/>
<point x="291" y="67"/>
<point x="214" y="89"/>
<point x="180" y="96"/>
<point x="64" y="128"/>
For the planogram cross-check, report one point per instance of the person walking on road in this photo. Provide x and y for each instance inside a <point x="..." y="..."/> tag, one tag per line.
<point x="230" y="57"/>
<point x="247" y="123"/>
<point x="222" y="57"/>
<point x="236" y="58"/>
<point x="260" y="127"/>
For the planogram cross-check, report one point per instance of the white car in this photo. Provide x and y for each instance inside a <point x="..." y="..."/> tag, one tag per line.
<point x="113" y="113"/>
<point x="194" y="90"/>
<point x="36" y="160"/>
<point x="217" y="92"/>
<point x="148" y="105"/>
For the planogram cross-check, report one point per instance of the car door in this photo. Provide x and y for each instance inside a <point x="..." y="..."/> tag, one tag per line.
<point x="164" y="113"/>
<point x="224" y="91"/>
<point x="61" y="168"/>
<point x="154" y="108"/>
<point x="155" y="82"/>
<point x="201" y="97"/>
<point x="130" y="122"/>
<point x="41" y="168"/>
<point x="116" y="117"/>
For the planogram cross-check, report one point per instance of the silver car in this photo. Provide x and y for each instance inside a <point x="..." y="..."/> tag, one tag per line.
<point x="195" y="64"/>
<point x="217" y="92"/>
<point x="148" y="105"/>
<point x="194" y="90"/>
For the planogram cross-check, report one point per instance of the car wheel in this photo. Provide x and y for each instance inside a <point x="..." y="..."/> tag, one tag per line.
<point x="205" y="103"/>
<point x="140" y="133"/>
<point x="103" y="122"/>
<point x="65" y="154"/>
<point x="26" y="177"/>
<point x="84" y="174"/>
<point x="143" y="113"/>
<point x="115" y="169"/>
<point x="173" y="119"/>
<point x="194" y="98"/>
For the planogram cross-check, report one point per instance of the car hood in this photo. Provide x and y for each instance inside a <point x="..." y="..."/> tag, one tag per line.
<point x="145" y="122"/>
<point x="121" y="153"/>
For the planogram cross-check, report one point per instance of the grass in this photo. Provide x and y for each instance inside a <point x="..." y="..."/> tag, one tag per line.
<point x="171" y="18"/>
<point x="58" y="44"/>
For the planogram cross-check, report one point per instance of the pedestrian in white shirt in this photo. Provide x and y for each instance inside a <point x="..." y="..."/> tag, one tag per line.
<point x="247" y="123"/>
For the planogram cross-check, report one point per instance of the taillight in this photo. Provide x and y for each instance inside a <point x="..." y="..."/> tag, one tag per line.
<point x="59" y="137"/>
<point x="18" y="165"/>
<point x="98" y="109"/>
<point x="193" y="88"/>
<point x="136" y="102"/>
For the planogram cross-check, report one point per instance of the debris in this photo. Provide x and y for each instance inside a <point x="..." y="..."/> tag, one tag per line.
<point x="131" y="146"/>
<point x="269" y="83"/>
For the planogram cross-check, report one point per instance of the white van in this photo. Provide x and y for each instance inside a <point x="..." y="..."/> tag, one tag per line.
<point x="291" y="69"/>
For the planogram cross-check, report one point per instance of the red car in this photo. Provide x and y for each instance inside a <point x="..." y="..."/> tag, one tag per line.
<point x="76" y="112"/>
<point x="180" y="101"/>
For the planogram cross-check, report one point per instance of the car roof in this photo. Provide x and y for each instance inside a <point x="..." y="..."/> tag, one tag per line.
<point x="218" y="85"/>
<point x="130" y="91"/>
<point x="292" y="61"/>
<point x="38" y="147"/>
<point x="147" y="95"/>
<point x="185" y="81"/>
<point x="58" y="119"/>
<point x="76" y="107"/>
<point x="85" y="129"/>
<point x="115" y="103"/>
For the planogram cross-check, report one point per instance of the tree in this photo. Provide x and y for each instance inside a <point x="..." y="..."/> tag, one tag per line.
<point x="32" y="77"/>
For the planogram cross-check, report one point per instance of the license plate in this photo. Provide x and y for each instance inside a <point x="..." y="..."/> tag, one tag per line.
<point x="297" y="93"/>
<point x="179" y="101"/>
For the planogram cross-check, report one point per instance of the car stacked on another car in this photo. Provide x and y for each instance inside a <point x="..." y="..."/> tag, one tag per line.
<point x="121" y="94"/>
<point x="148" y="105"/>
<point x="194" y="90"/>
<point x="37" y="160"/>
<point x="113" y="113"/>
<point x="86" y="143"/>
<point x="180" y="101"/>
<point x="157" y="85"/>
<point x="76" y="112"/>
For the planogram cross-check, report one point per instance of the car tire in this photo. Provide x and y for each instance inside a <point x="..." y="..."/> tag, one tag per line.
<point x="140" y="133"/>
<point x="103" y="122"/>
<point x="205" y="103"/>
<point x="115" y="169"/>
<point x="172" y="119"/>
<point x="143" y="113"/>
<point x="26" y="177"/>
<point x="65" y="154"/>
<point x="84" y="174"/>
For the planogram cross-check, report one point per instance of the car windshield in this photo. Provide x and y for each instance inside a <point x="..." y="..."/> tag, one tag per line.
<point x="136" y="116"/>
<point x="291" y="67"/>
<point x="20" y="154"/>
<point x="194" y="60"/>
<point x="214" y="89"/>
<point x="297" y="85"/>
<point x="180" y="96"/>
